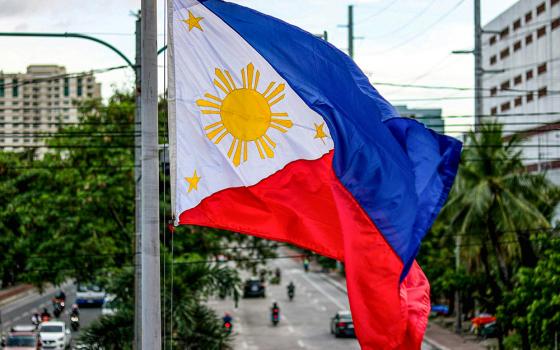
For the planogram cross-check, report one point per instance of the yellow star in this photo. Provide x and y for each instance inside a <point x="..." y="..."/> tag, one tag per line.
<point x="193" y="182"/>
<point x="193" y="22"/>
<point x="319" y="132"/>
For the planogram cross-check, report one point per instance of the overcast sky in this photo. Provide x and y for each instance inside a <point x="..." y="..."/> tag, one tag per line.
<point x="404" y="41"/>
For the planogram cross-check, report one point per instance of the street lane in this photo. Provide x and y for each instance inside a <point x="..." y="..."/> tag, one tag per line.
<point x="19" y="311"/>
<point x="304" y="322"/>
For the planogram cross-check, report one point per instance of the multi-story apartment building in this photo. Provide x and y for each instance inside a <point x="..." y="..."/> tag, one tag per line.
<point x="431" y="117"/>
<point x="524" y="93"/>
<point x="36" y="103"/>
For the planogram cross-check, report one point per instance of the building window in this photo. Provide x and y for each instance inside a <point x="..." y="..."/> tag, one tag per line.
<point x="541" y="8"/>
<point x="492" y="40"/>
<point x="528" y="17"/>
<point x="555" y="23"/>
<point x="504" y="107"/>
<point x="541" y="32"/>
<point x="494" y="111"/>
<point x="505" y="85"/>
<point x="493" y="91"/>
<point x="529" y="75"/>
<point x="517" y="46"/>
<point x="15" y="88"/>
<point x="529" y="39"/>
<point x="504" y="33"/>
<point x="554" y="2"/>
<point x="517" y="24"/>
<point x="517" y="80"/>
<point x="1" y="87"/>
<point x="80" y="87"/>
<point x="541" y="69"/>
<point x="493" y="60"/>
<point x="542" y="92"/>
<point x="504" y="53"/>
<point x="518" y="100"/>
<point x="66" y="87"/>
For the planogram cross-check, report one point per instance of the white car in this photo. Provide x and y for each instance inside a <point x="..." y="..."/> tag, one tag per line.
<point x="89" y="295"/>
<point x="54" y="335"/>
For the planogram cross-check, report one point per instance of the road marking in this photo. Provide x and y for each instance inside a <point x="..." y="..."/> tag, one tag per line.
<point x="245" y="345"/>
<point x="322" y="291"/>
<point x="291" y="329"/>
<point x="323" y="308"/>
<point x="315" y="301"/>
<point x="300" y="343"/>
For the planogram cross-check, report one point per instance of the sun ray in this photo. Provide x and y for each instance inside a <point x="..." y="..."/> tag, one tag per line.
<point x="267" y="138"/>
<point x="250" y="72"/>
<point x="243" y="77"/>
<point x="285" y="123"/>
<point x="276" y="91"/>
<point x="279" y="128"/>
<point x="277" y="100"/>
<point x="213" y="125"/>
<point x="268" y="88"/>
<point x="215" y="132"/>
<point x="260" y="150"/>
<point x="257" y="76"/>
<point x="208" y="111"/>
<point x="269" y="152"/>
<point x="205" y="103"/>
<point x="231" y="80"/>
<point x="237" y="156"/>
<point x="220" y="86"/>
<point x="214" y="97"/>
<point x="224" y="80"/>
<point x="231" y="147"/>
<point x="279" y="114"/>
<point x="244" y="151"/>
<point x="221" y="137"/>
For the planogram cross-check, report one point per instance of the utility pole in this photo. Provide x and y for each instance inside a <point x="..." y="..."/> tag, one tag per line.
<point x="478" y="71"/>
<point x="138" y="197"/>
<point x="351" y="31"/>
<point x="151" y="299"/>
<point x="458" y="306"/>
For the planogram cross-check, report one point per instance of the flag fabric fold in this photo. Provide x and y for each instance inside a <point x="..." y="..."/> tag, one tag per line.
<point x="278" y="134"/>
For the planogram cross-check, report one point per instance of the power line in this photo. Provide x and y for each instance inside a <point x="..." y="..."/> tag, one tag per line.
<point x="407" y="23"/>
<point x="377" y="13"/>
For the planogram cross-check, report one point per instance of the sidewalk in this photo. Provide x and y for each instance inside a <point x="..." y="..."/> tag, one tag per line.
<point x="13" y="293"/>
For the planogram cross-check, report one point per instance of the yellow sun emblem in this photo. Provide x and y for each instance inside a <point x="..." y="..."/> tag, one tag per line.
<point x="245" y="113"/>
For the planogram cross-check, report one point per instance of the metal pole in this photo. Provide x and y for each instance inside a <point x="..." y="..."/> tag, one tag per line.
<point x="151" y="299"/>
<point x="477" y="66"/>
<point x="138" y="198"/>
<point x="458" y="320"/>
<point x="351" y="31"/>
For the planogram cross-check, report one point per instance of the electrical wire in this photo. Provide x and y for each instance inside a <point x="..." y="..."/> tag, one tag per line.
<point x="377" y="13"/>
<point x="407" y="23"/>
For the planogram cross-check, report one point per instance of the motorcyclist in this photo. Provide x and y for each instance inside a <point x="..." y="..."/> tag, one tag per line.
<point x="306" y="264"/>
<point x="45" y="316"/>
<point x="60" y="295"/>
<point x="278" y="273"/>
<point x="35" y="318"/>
<point x="291" y="290"/>
<point x="275" y="312"/>
<point x="75" y="310"/>
<point x="227" y="318"/>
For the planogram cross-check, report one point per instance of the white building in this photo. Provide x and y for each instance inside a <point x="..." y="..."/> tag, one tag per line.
<point x="36" y="103"/>
<point x="526" y="96"/>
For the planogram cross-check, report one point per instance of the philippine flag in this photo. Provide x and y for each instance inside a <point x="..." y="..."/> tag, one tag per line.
<point x="278" y="134"/>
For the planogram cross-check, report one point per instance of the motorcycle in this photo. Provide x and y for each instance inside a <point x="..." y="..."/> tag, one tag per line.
<point x="74" y="322"/>
<point x="275" y="316"/>
<point x="228" y="326"/>
<point x="58" y="307"/>
<point x="291" y="294"/>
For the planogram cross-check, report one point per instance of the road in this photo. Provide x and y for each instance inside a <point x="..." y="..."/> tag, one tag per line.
<point x="19" y="312"/>
<point x="304" y="322"/>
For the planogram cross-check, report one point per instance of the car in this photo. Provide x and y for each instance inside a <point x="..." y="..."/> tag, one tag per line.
<point x="108" y="307"/>
<point x="21" y="338"/>
<point x="54" y="335"/>
<point x="254" y="288"/>
<point x="342" y="324"/>
<point x="89" y="294"/>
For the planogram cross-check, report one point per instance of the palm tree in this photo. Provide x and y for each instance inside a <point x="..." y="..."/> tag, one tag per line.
<point x="496" y="206"/>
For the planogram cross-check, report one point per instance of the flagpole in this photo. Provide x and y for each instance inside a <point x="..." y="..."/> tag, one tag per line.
<point x="151" y="299"/>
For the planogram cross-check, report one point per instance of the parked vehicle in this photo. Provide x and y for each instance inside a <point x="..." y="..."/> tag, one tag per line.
<point x="90" y="294"/>
<point x="21" y="338"/>
<point x="254" y="288"/>
<point x="342" y="324"/>
<point x="54" y="335"/>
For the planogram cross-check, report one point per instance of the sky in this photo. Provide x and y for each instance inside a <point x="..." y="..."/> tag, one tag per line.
<point x="401" y="41"/>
